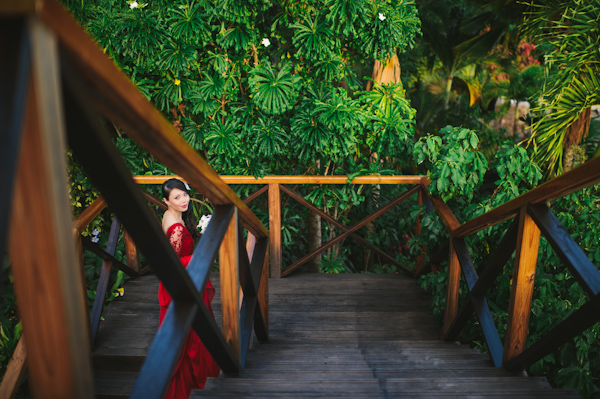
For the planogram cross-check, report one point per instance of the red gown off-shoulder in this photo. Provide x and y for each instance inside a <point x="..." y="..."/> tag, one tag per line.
<point x="195" y="364"/>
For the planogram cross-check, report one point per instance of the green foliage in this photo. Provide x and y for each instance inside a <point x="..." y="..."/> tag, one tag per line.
<point x="569" y="30"/>
<point x="274" y="92"/>
<point x="454" y="165"/>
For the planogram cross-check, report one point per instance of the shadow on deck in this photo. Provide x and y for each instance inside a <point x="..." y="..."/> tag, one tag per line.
<point x="348" y="335"/>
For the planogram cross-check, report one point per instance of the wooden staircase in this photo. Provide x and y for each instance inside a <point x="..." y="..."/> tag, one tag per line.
<point x="348" y="335"/>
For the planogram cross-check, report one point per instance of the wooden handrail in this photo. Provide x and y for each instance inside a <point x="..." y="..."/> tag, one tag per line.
<point x="274" y="184"/>
<point x="576" y="179"/>
<point x="297" y="179"/>
<point x="534" y="219"/>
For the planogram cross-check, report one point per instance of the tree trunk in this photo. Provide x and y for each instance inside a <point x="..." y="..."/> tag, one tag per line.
<point x="314" y="241"/>
<point x="575" y="133"/>
<point x="384" y="74"/>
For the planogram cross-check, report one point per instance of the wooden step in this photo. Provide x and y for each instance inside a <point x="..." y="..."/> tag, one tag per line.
<point x="331" y="336"/>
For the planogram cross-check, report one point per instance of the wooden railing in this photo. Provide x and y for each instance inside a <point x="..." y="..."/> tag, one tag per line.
<point x="66" y="74"/>
<point x="532" y="218"/>
<point x="275" y="184"/>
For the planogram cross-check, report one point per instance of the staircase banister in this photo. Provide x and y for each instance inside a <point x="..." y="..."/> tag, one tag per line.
<point x="297" y="179"/>
<point x="574" y="180"/>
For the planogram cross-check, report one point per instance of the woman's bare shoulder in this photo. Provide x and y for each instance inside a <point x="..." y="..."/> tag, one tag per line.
<point x="168" y="221"/>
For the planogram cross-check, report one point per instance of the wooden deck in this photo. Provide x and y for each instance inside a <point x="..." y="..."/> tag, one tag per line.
<point x="351" y="336"/>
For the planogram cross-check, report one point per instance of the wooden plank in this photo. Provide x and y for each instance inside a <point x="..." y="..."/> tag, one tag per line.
<point x="255" y="194"/>
<point x="351" y="230"/>
<point x="15" y="70"/>
<point x="89" y="245"/>
<point x="586" y="273"/>
<point x="120" y="101"/>
<point x="340" y="226"/>
<point x="482" y="310"/>
<point x="298" y="179"/>
<point x="528" y="241"/>
<point x="14" y="371"/>
<point x="100" y="159"/>
<point x="90" y="213"/>
<point x="445" y="214"/>
<point x="47" y="283"/>
<point x="111" y="248"/>
<point x="10" y="8"/>
<point x="275" y="230"/>
<point x="155" y="201"/>
<point x="574" y="180"/>
<point x="263" y="301"/>
<point x="452" y="291"/>
<point x="133" y="258"/>
<point x="230" y="287"/>
<point x="497" y="261"/>
<point x="580" y="320"/>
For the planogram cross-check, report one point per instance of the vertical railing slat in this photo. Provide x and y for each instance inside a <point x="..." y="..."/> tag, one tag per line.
<point x="230" y="286"/>
<point x="452" y="290"/>
<point x="275" y="229"/>
<point x="47" y="278"/>
<point x="528" y="240"/>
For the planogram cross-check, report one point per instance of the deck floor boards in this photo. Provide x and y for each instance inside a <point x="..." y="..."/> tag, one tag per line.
<point x="331" y="336"/>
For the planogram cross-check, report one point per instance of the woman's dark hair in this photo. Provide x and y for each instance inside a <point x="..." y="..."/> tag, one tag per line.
<point x="188" y="216"/>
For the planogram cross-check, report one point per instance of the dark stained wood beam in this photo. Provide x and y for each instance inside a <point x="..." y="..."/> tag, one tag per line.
<point x="111" y="247"/>
<point x="340" y="226"/>
<point x="482" y="310"/>
<point x="586" y="273"/>
<point x="351" y="230"/>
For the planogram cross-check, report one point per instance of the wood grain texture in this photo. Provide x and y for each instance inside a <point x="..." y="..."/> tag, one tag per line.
<point x="586" y="273"/>
<point x="452" y="293"/>
<point x="90" y="213"/>
<point x="14" y="371"/>
<point x="105" y="270"/>
<point x="47" y="283"/>
<point x="445" y="214"/>
<point x="298" y="179"/>
<point x="479" y="304"/>
<point x="420" y="263"/>
<point x="256" y="194"/>
<point x="577" y="322"/>
<point x="230" y="287"/>
<point x="528" y="241"/>
<point x="133" y="257"/>
<point x="120" y="101"/>
<point x="263" y="298"/>
<point x="275" y="230"/>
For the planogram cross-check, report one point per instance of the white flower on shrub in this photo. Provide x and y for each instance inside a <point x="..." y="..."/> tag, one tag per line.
<point x="381" y="17"/>
<point x="133" y="5"/>
<point x="266" y="42"/>
<point x="203" y="223"/>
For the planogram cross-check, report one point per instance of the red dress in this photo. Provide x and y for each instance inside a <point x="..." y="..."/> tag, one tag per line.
<point x="195" y="364"/>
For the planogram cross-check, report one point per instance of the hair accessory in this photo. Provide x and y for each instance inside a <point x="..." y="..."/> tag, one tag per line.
<point x="187" y="186"/>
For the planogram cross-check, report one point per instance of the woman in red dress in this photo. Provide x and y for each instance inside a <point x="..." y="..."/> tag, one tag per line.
<point x="195" y="364"/>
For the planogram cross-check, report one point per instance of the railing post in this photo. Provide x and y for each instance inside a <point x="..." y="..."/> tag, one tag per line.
<point x="453" y="287"/>
<point x="275" y="229"/>
<point x="133" y="259"/>
<point x="47" y="286"/>
<point x="230" y="286"/>
<point x="528" y="241"/>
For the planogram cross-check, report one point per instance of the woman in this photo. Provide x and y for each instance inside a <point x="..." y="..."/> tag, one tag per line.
<point x="195" y="364"/>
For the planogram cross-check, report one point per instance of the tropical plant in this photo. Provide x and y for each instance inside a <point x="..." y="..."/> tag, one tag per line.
<point x="568" y="31"/>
